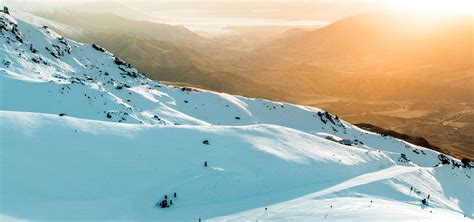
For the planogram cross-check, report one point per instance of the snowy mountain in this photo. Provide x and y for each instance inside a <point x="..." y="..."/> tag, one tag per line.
<point x="85" y="136"/>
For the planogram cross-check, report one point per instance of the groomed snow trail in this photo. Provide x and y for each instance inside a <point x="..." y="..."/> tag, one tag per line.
<point x="365" y="179"/>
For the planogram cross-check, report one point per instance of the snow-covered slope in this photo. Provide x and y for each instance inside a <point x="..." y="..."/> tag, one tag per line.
<point x="85" y="136"/>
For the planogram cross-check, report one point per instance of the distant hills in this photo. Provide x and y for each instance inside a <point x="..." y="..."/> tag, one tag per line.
<point x="164" y="52"/>
<point x="377" y="58"/>
<point x="386" y="39"/>
<point x="111" y="23"/>
<point x="383" y="48"/>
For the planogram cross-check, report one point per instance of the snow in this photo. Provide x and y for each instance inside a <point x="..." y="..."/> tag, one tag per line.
<point x="362" y="203"/>
<point x="84" y="138"/>
<point x="346" y="209"/>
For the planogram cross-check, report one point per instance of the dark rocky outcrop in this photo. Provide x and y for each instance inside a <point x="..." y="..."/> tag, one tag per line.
<point x="98" y="48"/>
<point x="467" y="163"/>
<point x="119" y="61"/>
<point x="444" y="159"/>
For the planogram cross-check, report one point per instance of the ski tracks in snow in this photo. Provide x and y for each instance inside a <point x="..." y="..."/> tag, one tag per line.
<point x="353" y="182"/>
<point x="365" y="179"/>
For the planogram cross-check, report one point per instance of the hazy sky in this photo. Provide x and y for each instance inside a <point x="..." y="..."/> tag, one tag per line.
<point x="200" y="15"/>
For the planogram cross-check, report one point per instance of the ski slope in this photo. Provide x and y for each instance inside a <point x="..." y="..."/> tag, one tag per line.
<point x="328" y="204"/>
<point x="85" y="136"/>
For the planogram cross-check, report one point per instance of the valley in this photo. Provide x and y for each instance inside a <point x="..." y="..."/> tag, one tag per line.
<point x="404" y="98"/>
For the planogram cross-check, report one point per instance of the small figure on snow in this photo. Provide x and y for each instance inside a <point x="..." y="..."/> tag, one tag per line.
<point x="164" y="204"/>
<point x="174" y="195"/>
<point x="205" y="163"/>
<point x="5" y="10"/>
<point x="424" y="202"/>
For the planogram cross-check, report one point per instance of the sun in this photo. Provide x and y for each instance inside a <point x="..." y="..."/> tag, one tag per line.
<point x="432" y="6"/>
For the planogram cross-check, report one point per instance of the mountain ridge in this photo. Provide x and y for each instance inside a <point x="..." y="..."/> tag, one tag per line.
<point x="104" y="140"/>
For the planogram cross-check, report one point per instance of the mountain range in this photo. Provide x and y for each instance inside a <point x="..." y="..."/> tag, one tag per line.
<point x="381" y="68"/>
<point x="85" y="136"/>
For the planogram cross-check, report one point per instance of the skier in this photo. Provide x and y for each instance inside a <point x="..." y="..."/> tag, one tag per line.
<point x="428" y="197"/>
<point x="5" y="10"/>
<point x="424" y="202"/>
<point x="164" y="204"/>
<point x="171" y="202"/>
<point x="174" y="194"/>
<point x="205" y="163"/>
<point x="166" y="197"/>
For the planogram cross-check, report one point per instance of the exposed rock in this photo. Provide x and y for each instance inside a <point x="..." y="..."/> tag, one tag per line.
<point x="119" y="61"/>
<point x="98" y="48"/>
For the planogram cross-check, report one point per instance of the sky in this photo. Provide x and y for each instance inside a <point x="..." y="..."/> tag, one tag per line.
<point x="215" y="15"/>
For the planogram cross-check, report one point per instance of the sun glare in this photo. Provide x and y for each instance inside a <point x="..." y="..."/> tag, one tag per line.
<point x="433" y="6"/>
